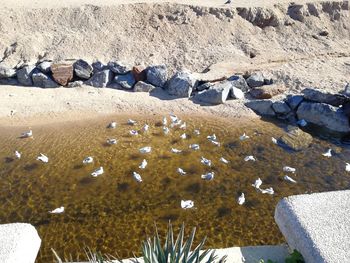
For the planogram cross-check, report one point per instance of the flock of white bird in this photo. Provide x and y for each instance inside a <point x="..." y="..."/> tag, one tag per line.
<point x="176" y="122"/>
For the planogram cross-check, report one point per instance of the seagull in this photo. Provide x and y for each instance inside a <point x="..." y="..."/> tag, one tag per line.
<point x="146" y="149"/>
<point x="194" y="147"/>
<point x="181" y="171"/>
<point x="215" y="142"/>
<point x="223" y="160"/>
<point x="112" y="141"/>
<point x="133" y="133"/>
<point x="197" y="132"/>
<point x="59" y="210"/>
<point x="257" y="183"/>
<point x="241" y="199"/>
<point x="131" y="122"/>
<point x="208" y="176"/>
<point x="269" y="191"/>
<point x="88" y="160"/>
<point x="18" y="154"/>
<point x="173" y="150"/>
<point x="173" y="118"/>
<point x="187" y="204"/>
<point x="43" y="158"/>
<point x="183" y="126"/>
<point x="166" y="130"/>
<point x="137" y="177"/>
<point x="249" y="158"/>
<point x="244" y="137"/>
<point x="97" y="172"/>
<point x="143" y="164"/>
<point x="165" y="121"/>
<point x="302" y="123"/>
<point x="211" y="137"/>
<point x="145" y="128"/>
<point x="175" y="123"/>
<point x="183" y="136"/>
<point x="347" y="167"/>
<point x="328" y="153"/>
<point x="27" y="134"/>
<point x="274" y="140"/>
<point x="112" y="125"/>
<point x="205" y="161"/>
<point x="289" y="169"/>
<point x="289" y="179"/>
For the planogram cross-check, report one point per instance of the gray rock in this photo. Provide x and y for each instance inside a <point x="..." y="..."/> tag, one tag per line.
<point x="24" y="75"/>
<point x="295" y="139"/>
<point x="280" y="107"/>
<point x="261" y="107"/>
<point x="118" y="67"/>
<point x="181" y="84"/>
<point x="157" y="75"/>
<point x="45" y="66"/>
<point x="239" y="82"/>
<point x="204" y="86"/>
<point x="324" y="97"/>
<point x="43" y="81"/>
<point x="255" y="80"/>
<point x="114" y="85"/>
<point x="100" y="79"/>
<point x="294" y="101"/>
<point x="9" y="81"/>
<point x="141" y="86"/>
<point x="98" y="66"/>
<point x="217" y="94"/>
<point x="75" y="84"/>
<point x="324" y="115"/>
<point x="127" y="81"/>
<point x="236" y="93"/>
<point x="6" y="72"/>
<point x="82" y="69"/>
<point x="347" y="89"/>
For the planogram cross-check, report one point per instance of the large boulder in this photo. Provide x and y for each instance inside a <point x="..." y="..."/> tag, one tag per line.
<point x="45" y="66"/>
<point x="261" y="107"/>
<point x="181" y="84"/>
<point x="295" y="139"/>
<point x="118" y="67"/>
<point x="324" y="115"/>
<point x="82" y="69"/>
<point x="62" y="73"/>
<point x="267" y="91"/>
<point x="141" y="86"/>
<point x="236" y="93"/>
<point x="6" y="72"/>
<point x="9" y="81"/>
<point x="256" y="80"/>
<point x="24" y="75"/>
<point x="127" y="81"/>
<point x="157" y="75"/>
<point x="100" y="79"/>
<point x="43" y="81"/>
<point x="239" y="82"/>
<point x="139" y="73"/>
<point x="294" y="101"/>
<point x="325" y="97"/>
<point x="280" y="107"/>
<point x="98" y="66"/>
<point x="217" y="94"/>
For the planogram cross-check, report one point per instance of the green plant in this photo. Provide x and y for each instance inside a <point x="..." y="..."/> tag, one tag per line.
<point x="295" y="257"/>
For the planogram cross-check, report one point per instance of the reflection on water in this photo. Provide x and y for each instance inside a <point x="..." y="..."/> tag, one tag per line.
<point x="113" y="213"/>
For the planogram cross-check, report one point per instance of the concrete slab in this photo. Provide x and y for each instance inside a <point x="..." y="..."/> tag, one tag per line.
<point x="18" y="243"/>
<point x="317" y="225"/>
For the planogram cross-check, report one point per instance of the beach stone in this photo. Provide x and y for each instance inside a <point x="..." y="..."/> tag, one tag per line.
<point x="75" y="84"/>
<point x="127" y="81"/>
<point x="45" y="66"/>
<point x="83" y="69"/>
<point x="139" y="73"/>
<point x="157" y="75"/>
<point x="6" y="72"/>
<point x="98" y="66"/>
<point x="325" y="97"/>
<point x="261" y="107"/>
<point x="236" y="93"/>
<point x="255" y="80"/>
<point x="267" y="92"/>
<point x="114" y="85"/>
<point x="43" y="81"/>
<point x="141" y="86"/>
<point x="118" y="67"/>
<point x="294" y="101"/>
<point x="239" y="82"/>
<point x="62" y="73"/>
<point x="324" y="115"/>
<point x="181" y="84"/>
<point x="296" y="139"/>
<point x="280" y="107"/>
<point x="204" y="86"/>
<point x="217" y="94"/>
<point x="9" y="81"/>
<point x="24" y="75"/>
<point x="100" y="79"/>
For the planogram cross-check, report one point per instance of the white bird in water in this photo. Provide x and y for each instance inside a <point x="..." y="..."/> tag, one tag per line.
<point x="97" y="172"/>
<point x="43" y="158"/>
<point x="143" y="164"/>
<point x="176" y="123"/>
<point x="173" y="118"/>
<point x="257" y="183"/>
<point x="269" y="191"/>
<point x="249" y="158"/>
<point x="208" y="176"/>
<point x="347" y="167"/>
<point x="165" y="121"/>
<point x="146" y="149"/>
<point x="244" y="137"/>
<point x="112" y="141"/>
<point x="223" y="160"/>
<point x="18" y="154"/>
<point x="241" y="199"/>
<point x="112" y="125"/>
<point x="274" y="140"/>
<point x="166" y="130"/>
<point x="145" y="128"/>
<point x="328" y="153"/>
<point x="27" y="134"/>
<point x="289" y="169"/>
<point x="187" y="204"/>
<point x="88" y="160"/>
<point x="211" y="137"/>
<point x="289" y="179"/>
<point x="196" y="132"/>
<point x="183" y="126"/>
<point x="181" y="171"/>
<point x="194" y="147"/>
<point x="215" y="142"/>
<point x="131" y="122"/>
<point x="137" y="177"/>
<point x="173" y="150"/>
<point x="133" y="133"/>
<point x="58" y="210"/>
<point x="183" y="136"/>
<point x="205" y="161"/>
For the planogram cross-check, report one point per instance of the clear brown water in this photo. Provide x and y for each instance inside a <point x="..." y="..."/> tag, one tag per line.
<point x="113" y="213"/>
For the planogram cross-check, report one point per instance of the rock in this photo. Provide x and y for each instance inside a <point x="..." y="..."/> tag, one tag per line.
<point x="141" y="86"/>
<point x="45" y="67"/>
<point x="347" y="89"/>
<point x="204" y="86"/>
<point x="114" y="85"/>
<point x="24" y="75"/>
<point x="261" y="107"/>
<point x="255" y="80"/>
<point x="62" y="73"/>
<point x="9" y="81"/>
<point x="268" y="81"/>
<point x="236" y="93"/>
<point x="157" y="75"/>
<point x="127" y="81"/>
<point x="295" y="139"/>
<point x="43" y="81"/>
<point x="139" y="73"/>
<point x="345" y="108"/>
<point x="82" y="69"/>
<point x="324" y="115"/>
<point x="239" y="82"/>
<point x="294" y="101"/>
<point x="100" y="79"/>
<point x="267" y="92"/>
<point x="6" y="72"/>
<point x="75" y="84"/>
<point x="280" y="107"/>
<point x="118" y="67"/>
<point x="98" y="66"/>
<point x="181" y="84"/>
<point x="324" y="97"/>
<point x="217" y="94"/>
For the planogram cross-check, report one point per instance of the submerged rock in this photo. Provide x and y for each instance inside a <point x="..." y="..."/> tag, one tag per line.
<point x="261" y="107"/>
<point x="82" y="69"/>
<point x="295" y="139"/>
<point x="181" y="84"/>
<point x="239" y="82"/>
<point x="217" y="94"/>
<point x="100" y="79"/>
<point x="256" y="80"/>
<point x="325" y="97"/>
<point x="62" y="73"/>
<point x="24" y="75"/>
<point x="43" y="81"/>
<point x="6" y="72"/>
<point x="157" y="75"/>
<point x="141" y="86"/>
<point x="127" y="81"/>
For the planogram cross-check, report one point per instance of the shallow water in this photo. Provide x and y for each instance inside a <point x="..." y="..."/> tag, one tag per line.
<point x="113" y="213"/>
